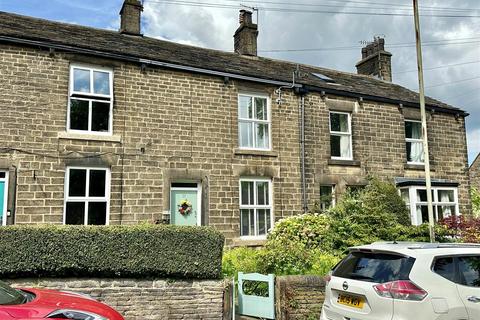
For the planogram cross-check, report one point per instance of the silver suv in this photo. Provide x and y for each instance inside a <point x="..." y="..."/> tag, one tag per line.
<point x="405" y="281"/>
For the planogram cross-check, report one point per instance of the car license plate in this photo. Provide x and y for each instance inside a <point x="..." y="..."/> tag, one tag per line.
<point x="351" y="301"/>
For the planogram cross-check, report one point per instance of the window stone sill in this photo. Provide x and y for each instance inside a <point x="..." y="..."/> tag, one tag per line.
<point x="411" y="166"/>
<point x="263" y="153"/>
<point x="246" y="242"/>
<point x="349" y="163"/>
<point x="89" y="137"/>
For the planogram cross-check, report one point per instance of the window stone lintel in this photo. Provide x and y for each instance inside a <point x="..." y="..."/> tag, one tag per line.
<point x="89" y="137"/>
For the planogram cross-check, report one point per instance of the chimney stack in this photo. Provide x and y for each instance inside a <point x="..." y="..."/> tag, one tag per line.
<point x="376" y="62"/>
<point x="245" y="38"/>
<point x="130" y="17"/>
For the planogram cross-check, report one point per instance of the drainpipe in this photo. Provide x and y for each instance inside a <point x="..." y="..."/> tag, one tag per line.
<point x="302" y="152"/>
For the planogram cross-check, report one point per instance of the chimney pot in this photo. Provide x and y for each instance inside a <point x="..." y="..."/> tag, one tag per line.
<point x="376" y="62"/>
<point x="245" y="38"/>
<point x="130" y="17"/>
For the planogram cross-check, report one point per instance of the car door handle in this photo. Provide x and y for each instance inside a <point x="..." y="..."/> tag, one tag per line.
<point x="473" y="299"/>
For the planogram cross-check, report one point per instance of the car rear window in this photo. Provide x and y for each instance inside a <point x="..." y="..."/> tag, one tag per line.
<point x="374" y="267"/>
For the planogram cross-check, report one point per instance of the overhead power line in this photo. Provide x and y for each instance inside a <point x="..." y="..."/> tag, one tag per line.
<point x="340" y="4"/>
<point x="392" y="45"/>
<point x="440" y="67"/>
<point x="452" y="82"/>
<point x="296" y="10"/>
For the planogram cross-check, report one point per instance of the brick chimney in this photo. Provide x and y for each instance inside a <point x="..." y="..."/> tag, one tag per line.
<point x="130" y="17"/>
<point x="245" y="38"/>
<point x="376" y="62"/>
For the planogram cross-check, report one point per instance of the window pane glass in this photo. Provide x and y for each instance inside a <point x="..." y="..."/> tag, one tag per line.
<point x="326" y="196"/>
<point x="245" y="134"/>
<point x="77" y="183"/>
<point x="97" y="213"/>
<point x="261" y="223"/>
<point x="413" y="130"/>
<point x="339" y="122"/>
<point x="268" y="217"/>
<point x="75" y="213"/>
<point x="2" y="175"/>
<point x="247" y="193"/>
<point x="245" y="107"/>
<point x="422" y="195"/>
<point x="252" y="224"/>
<point x="262" y="193"/>
<point x="446" y="211"/>
<point x="422" y="214"/>
<point x="79" y="114"/>
<point x="335" y="146"/>
<point x="414" y="151"/>
<point x="345" y="147"/>
<point x="81" y="80"/>
<point x="262" y="139"/>
<point x="261" y="108"/>
<point x="100" y="116"/>
<point x="445" y="267"/>
<point x="97" y="183"/>
<point x="405" y="194"/>
<point x="101" y="82"/>
<point x="446" y="196"/>
<point x="469" y="269"/>
<point x="245" y="229"/>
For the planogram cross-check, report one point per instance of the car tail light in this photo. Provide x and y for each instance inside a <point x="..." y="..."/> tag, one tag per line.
<point x="401" y="289"/>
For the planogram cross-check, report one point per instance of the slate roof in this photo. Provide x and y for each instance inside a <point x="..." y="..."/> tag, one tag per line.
<point x="14" y="27"/>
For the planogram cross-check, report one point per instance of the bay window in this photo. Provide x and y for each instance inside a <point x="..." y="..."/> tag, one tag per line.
<point x="445" y="203"/>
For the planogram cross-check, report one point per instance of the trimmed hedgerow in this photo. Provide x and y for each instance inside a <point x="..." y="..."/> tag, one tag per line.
<point x="111" y="251"/>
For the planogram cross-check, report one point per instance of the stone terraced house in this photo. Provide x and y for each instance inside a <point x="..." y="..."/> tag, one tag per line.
<point x="106" y="127"/>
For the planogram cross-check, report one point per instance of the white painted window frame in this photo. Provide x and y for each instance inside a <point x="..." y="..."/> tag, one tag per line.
<point x="413" y="140"/>
<point x="86" y="199"/>
<point x="255" y="206"/>
<point x="5" y="197"/>
<point x="255" y="121"/>
<point x="340" y="133"/>
<point x="412" y="205"/>
<point x="91" y="97"/>
<point x="199" y="198"/>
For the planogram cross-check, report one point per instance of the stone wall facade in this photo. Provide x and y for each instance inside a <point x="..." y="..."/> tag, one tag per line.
<point x="171" y="126"/>
<point x="474" y="172"/>
<point x="299" y="297"/>
<point x="146" y="299"/>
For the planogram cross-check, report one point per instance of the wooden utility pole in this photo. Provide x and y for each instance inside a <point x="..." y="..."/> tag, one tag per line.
<point x="428" y="182"/>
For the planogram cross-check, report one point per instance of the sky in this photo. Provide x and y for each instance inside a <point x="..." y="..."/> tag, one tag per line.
<point x="322" y="32"/>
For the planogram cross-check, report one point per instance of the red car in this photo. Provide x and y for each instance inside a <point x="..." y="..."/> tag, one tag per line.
<point x="23" y="304"/>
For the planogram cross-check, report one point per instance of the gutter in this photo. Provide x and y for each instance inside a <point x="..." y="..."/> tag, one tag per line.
<point x="37" y="43"/>
<point x="385" y="100"/>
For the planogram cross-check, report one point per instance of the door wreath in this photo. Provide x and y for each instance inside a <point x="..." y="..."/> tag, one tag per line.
<point x="185" y="207"/>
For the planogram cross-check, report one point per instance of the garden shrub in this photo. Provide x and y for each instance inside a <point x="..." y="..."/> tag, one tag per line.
<point x="111" y="251"/>
<point x="475" y="202"/>
<point x="462" y="228"/>
<point x="242" y="259"/>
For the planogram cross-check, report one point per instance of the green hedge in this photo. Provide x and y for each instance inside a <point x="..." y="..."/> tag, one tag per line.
<point x="111" y="251"/>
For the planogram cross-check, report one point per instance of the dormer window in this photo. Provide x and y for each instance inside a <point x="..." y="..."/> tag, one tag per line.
<point x="90" y="100"/>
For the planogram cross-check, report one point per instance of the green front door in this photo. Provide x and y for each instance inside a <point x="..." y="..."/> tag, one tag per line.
<point x="184" y="208"/>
